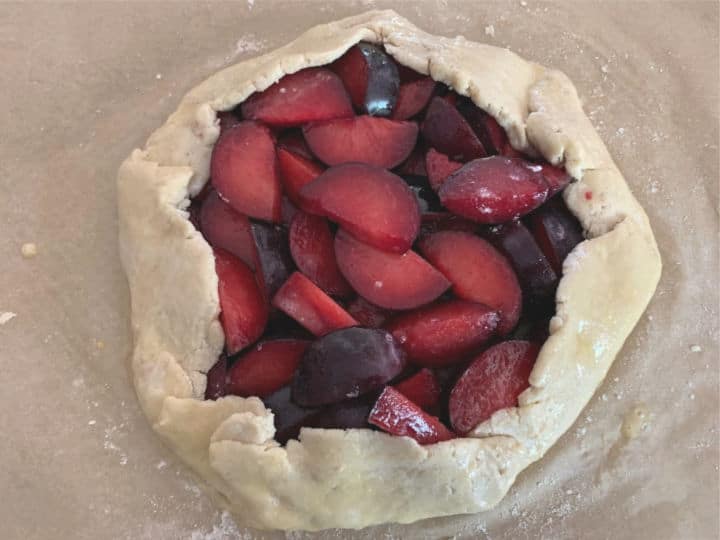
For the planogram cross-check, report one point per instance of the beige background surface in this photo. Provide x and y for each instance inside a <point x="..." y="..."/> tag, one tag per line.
<point x="83" y="84"/>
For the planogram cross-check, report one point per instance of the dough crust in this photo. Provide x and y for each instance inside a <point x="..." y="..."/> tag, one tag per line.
<point x="356" y="478"/>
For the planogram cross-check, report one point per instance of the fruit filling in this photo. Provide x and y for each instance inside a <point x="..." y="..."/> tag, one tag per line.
<point x="386" y="259"/>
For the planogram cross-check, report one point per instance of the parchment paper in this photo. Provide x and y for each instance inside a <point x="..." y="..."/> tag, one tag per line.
<point x="81" y="85"/>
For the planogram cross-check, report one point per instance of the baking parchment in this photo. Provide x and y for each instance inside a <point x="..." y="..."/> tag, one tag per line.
<point x="82" y="84"/>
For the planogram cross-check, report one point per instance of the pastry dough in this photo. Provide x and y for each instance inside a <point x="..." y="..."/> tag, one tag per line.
<point x="356" y="478"/>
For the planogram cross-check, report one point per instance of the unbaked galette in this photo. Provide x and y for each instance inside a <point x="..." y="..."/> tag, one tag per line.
<point x="375" y="274"/>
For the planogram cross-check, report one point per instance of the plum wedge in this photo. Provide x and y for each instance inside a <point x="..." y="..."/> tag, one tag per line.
<point x="215" y="388"/>
<point x="371" y="203"/>
<point x="244" y="171"/>
<point x="366" y="139"/>
<point x="296" y="171"/>
<point x="243" y="310"/>
<point x="367" y="314"/>
<point x="310" y="306"/>
<point x="310" y="95"/>
<point x="346" y="364"/>
<point x="225" y="228"/>
<point x="396" y="414"/>
<point x="311" y="246"/>
<point x="493" y="381"/>
<point x="422" y="388"/>
<point x="556" y="231"/>
<point x="477" y="271"/>
<point x="494" y="189"/>
<point x="265" y="368"/>
<point x="273" y="263"/>
<point x="439" y="167"/>
<point x="445" y="129"/>
<point x="413" y="97"/>
<point x="443" y="333"/>
<point x="371" y="78"/>
<point x="389" y="280"/>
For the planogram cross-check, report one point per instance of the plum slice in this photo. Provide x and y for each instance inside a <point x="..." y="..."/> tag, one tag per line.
<point x="422" y="388"/>
<point x="366" y="139"/>
<point x="310" y="306"/>
<point x="397" y="415"/>
<point x="243" y="310"/>
<point x="414" y="165"/>
<point x="310" y="95"/>
<point x="478" y="272"/>
<point x="389" y="280"/>
<point x="265" y="368"/>
<point x="225" y="228"/>
<point x="441" y="334"/>
<point x="367" y="314"/>
<point x="537" y="277"/>
<point x="413" y="97"/>
<point x="494" y="189"/>
<point x="273" y="263"/>
<point x="289" y="417"/>
<point x="371" y="203"/>
<point x="346" y="364"/>
<point x="493" y="381"/>
<point x="296" y="171"/>
<point x="244" y="171"/>
<point x="555" y="177"/>
<point x="216" y="387"/>
<point x="445" y="129"/>
<point x="439" y="167"/>
<point x="556" y="231"/>
<point x="312" y="249"/>
<point x="227" y="120"/>
<point x="370" y="77"/>
<point x="490" y="133"/>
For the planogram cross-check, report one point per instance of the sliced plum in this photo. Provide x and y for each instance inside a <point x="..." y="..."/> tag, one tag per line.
<point x="422" y="388"/>
<point x="413" y="97"/>
<point x="367" y="314"/>
<point x="288" y="210"/>
<point x="226" y="228"/>
<point x="309" y="95"/>
<point x="439" y="167"/>
<point x="370" y="77"/>
<point x="492" y="134"/>
<point x="364" y="139"/>
<point x="244" y="171"/>
<point x="273" y="262"/>
<point x="556" y="231"/>
<point x="312" y="249"/>
<point x="494" y="189"/>
<point x="289" y="417"/>
<point x="443" y="333"/>
<point x="371" y="203"/>
<point x="397" y="415"/>
<point x="478" y="272"/>
<point x="555" y="177"/>
<point x="215" y="387"/>
<point x="445" y="129"/>
<point x="493" y="381"/>
<point x="310" y="306"/>
<point x="296" y="171"/>
<point x="346" y="364"/>
<point x="537" y="277"/>
<point x="389" y="280"/>
<point x="243" y="310"/>
<point x="265" y="368"/>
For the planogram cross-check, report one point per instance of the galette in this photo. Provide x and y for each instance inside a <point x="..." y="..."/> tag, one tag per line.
<point x="376" y="273"/>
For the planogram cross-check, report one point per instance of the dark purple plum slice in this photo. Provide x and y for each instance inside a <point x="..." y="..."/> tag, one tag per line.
<point x="345" y="364"/>
<point x="216" y="379"/>
<point x="274" y="263"/>
<point x="537" y="278"/>
<point x="370" y="77"/>
<point x="556" y="231"/>
<point x="289" y="417"/>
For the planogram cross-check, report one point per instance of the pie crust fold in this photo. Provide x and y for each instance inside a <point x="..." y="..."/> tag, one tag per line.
<point x="357" y="478"/>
